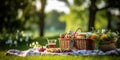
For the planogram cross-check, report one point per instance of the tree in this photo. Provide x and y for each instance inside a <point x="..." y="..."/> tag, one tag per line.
<point x="77" y="17"/>
<point x="104" y="16"/>
<point x="112" y="4"/>
<point x="42" y="16"/>
<point x="92" y="14"/>
<point x="93" y="10"/>
<point x="52" y="20"/>
<point x="109" y="16"/>
<point x="9" y="18"/>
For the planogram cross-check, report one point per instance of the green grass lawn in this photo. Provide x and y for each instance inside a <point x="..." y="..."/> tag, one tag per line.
<point x="3" y="57"/>
<point x="49" y="57"/>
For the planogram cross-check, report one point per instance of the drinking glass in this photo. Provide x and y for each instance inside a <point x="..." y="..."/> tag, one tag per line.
<point x="52" y="43"/>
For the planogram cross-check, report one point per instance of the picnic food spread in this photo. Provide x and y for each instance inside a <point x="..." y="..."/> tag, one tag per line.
<point x="98" y="39"/>
<point x="76" y="43"/>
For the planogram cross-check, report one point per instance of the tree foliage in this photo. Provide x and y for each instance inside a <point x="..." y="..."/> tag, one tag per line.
<point x="16" y="14"/>
<point x="52" y="20"/>
<point x="76" y="18"/>
<point x="81" y="14"/>
<point x="9" y="13"/>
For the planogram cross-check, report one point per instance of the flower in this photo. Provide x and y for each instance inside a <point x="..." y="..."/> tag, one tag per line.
<point x="92" y="37"/>
<point x="102" y="36"/>
<point x="34" y="44"/>
<point x="37" y="43"/>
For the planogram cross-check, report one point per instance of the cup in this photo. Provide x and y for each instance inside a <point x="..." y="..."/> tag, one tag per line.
<point x="52" y="43"/>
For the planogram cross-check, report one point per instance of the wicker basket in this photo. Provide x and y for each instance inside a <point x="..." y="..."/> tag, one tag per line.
<point x="79" y="44"/>
<point x="75" y="43"/>
<point x="106" y="46"/>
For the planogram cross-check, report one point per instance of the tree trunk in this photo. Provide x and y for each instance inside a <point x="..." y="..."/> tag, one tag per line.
<point x="118" y="23"/>
<point x="41" y="24"/>
<point x="109" y="16"/>
<point x="92" y="14"/>
<point x="42" y="16"/>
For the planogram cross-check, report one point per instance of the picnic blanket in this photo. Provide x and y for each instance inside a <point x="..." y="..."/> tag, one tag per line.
<point x="35" y="52"/>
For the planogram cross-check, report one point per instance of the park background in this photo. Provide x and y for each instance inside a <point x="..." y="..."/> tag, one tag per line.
<point x="26" y="21"/>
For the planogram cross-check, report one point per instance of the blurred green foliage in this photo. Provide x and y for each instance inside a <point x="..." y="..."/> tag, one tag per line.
<point x="22" y="15"/>
<point x="18" y="36"/>
<point x="52" y="20"/>
<point x="79" y="16"/>
<point x="9" y="12"/>
<point x="16" y="15"/>
<point x="76" y="18"/>
<point x="101" y="20"/>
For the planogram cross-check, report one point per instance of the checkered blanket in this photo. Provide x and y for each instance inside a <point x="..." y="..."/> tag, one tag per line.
<point x="35" y="52"/>
<point x="96" y="52"/>
<point x="23" y="53"/>
<point x="32" y="52"/>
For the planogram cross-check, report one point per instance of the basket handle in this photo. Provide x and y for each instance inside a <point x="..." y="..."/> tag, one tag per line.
<point x="72" y="42"/>
<point x="76" y="32"/>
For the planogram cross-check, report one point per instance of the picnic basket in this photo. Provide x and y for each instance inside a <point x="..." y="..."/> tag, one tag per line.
<point x="108" y="45"/>
<point x="79" y="44"/>
<point x="74" y="43"/>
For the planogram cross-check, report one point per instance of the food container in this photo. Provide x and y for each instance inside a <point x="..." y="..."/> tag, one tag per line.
<point x="79" y="44"/>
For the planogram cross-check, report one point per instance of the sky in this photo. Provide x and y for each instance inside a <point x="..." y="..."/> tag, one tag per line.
<point x="55" y="5"/>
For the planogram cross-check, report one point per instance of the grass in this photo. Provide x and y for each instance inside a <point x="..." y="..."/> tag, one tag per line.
<point x="50" y="57"/>
<point x="3" y="57"/>
<point x="53" y="33"/>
